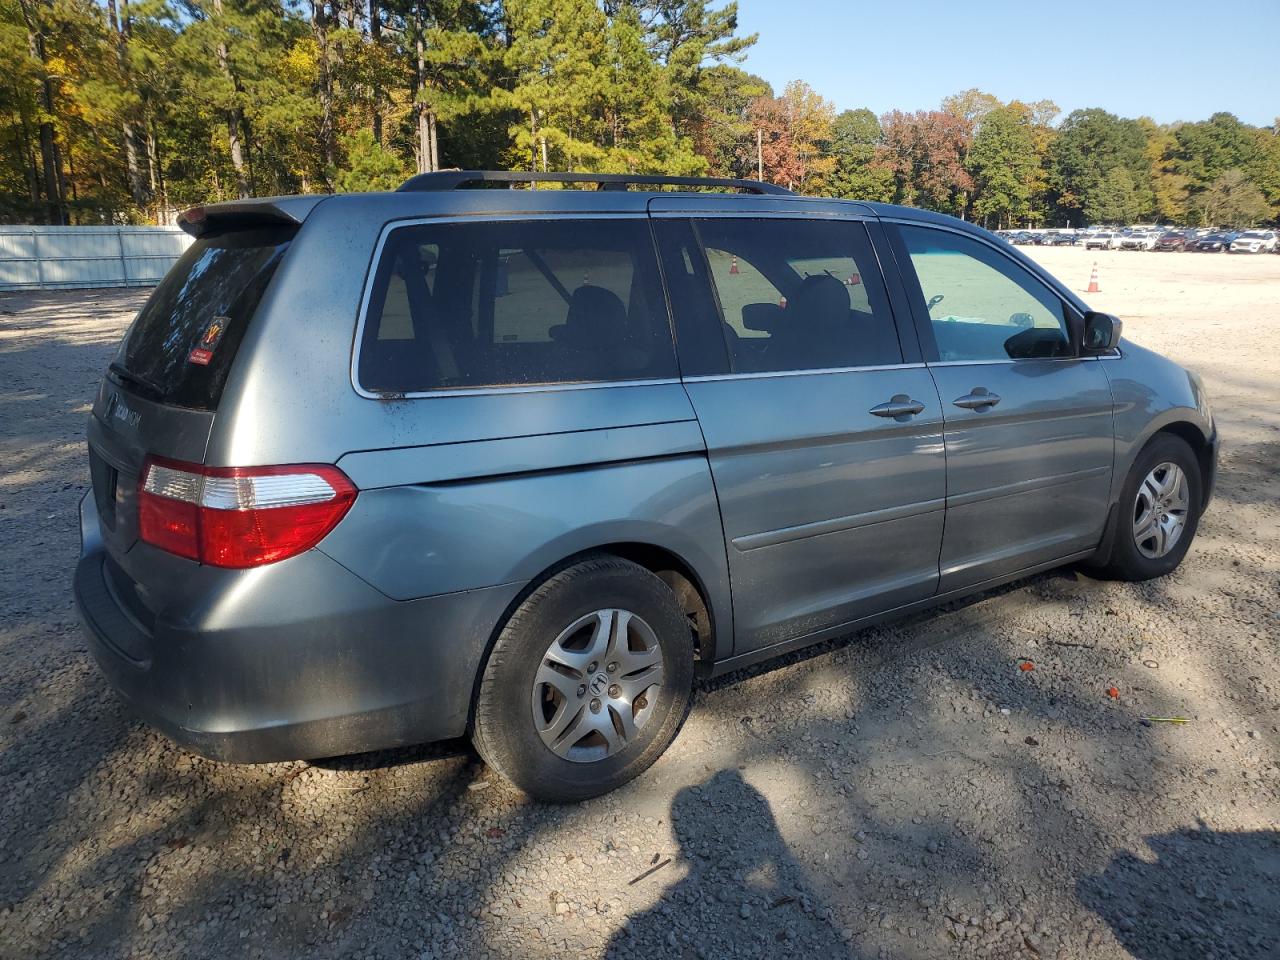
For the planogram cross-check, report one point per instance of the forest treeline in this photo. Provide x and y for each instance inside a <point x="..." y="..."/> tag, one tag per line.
<point x="126" y="110"/>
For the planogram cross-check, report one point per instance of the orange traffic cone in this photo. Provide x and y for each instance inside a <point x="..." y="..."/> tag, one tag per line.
<point x="853" y="281"/>
<point x="733" y="265"/>
<point x="1093" y="280"/>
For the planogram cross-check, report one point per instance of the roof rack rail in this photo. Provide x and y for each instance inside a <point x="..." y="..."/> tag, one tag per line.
<point x="456" y="179"/>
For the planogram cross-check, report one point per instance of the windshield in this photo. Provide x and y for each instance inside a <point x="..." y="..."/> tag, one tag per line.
<point x="180" y="346"/>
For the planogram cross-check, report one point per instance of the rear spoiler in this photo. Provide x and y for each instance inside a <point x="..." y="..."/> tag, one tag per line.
<point x="241" y="214"/>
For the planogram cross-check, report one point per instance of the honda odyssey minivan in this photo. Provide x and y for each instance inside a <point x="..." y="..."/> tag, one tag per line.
<point x="520" y="464"/>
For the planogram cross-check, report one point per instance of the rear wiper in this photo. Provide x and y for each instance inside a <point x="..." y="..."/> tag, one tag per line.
<point x="124" y="373"/>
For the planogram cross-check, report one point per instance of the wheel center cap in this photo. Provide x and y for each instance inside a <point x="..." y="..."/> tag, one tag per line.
<point x="599" y="684"/>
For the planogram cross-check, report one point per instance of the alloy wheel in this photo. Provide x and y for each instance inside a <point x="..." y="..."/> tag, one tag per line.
<point x="1160" y="512"/>
<point x="596" y="687"/>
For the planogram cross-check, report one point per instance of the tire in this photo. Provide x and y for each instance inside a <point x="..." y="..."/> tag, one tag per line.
<point x="1129" y="559"/>
<point x="576" y="616"/>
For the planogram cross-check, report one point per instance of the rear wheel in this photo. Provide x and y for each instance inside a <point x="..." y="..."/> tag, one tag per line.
<point x="588" y="682"/>
<point x="1159" y="512"/>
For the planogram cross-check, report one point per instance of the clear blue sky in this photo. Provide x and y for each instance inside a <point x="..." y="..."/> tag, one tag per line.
<point x="1172" y="60"/>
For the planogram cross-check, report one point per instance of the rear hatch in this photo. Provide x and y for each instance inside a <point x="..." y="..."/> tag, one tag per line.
<point x="160" y="394"/>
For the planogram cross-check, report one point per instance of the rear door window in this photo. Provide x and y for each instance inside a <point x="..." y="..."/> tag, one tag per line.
<point x="510" y="303"/>
<point x="798" y="294"/>
<point x="180" y="347"/>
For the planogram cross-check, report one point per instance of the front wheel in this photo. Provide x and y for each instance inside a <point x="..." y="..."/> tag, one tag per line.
<point x="1159" y="512"/>
<point x="588" y="682"/>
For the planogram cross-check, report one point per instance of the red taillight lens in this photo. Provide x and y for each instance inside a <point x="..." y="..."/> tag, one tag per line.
<point x="239" y="516"/>
<point x="170" y="525"/>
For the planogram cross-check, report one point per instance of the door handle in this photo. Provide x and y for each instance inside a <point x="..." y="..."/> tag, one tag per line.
<point x="901" y="408"/>
<point x="980" y="398"/>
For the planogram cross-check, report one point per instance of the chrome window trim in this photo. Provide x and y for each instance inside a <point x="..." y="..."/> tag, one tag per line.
<point x="511" y="216"/>
<point x="693" y="213"/>
<point x="983" y="363"/>
<point x="770" y="374"/>
<point x="515" y="388"/>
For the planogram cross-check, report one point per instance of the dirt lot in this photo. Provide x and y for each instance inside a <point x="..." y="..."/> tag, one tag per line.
<point x="906" y="792"/>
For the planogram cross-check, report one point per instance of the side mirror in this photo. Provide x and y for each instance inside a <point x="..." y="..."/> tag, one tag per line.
<point x="1101" y="334"/>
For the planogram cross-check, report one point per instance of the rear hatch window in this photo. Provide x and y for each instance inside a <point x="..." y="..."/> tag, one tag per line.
<point x="180" y="347"/>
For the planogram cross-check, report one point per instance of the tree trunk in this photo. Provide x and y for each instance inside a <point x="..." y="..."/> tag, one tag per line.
<point x="235" y="116"/>
<point x="328" y="150"/>
<point x="71" y="167"/>
<point x="424" y="119"/>
<point x="375" y="35"/>
<point x="27" y="159"/>
<point x="426" y="150"/>
<point x="120" y="27"/>
<point x="533" y="135"/>
<point x="50" y="161"/>
<point x="137" y="188"/>
<point x="237" y="154"/>
<point x="156" y="172"/>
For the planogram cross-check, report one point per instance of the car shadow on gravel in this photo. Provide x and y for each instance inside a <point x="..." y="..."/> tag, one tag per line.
<point x="398" y="756"/>
<point x="1206" y="893"/>
<point x="740" y="871"/>
<point x="49" y="764"/>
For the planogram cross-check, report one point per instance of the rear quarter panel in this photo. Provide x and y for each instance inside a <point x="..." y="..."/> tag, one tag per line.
<point x="446" y="533"/>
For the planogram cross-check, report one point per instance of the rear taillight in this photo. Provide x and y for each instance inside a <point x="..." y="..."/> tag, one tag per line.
<point x="239" y="516"/>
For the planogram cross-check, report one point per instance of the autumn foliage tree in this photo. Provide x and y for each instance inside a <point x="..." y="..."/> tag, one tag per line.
<point x="795" y="136"/>
<point x="925" y="152"/>
<point x="127" y="110"/>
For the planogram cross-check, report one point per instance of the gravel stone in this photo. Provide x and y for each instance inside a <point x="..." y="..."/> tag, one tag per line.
<point x="882" y="800"/>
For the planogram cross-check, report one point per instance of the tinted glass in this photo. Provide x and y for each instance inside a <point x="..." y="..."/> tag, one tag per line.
<point x="510" y="303"/>
<point x="798" y="295"/>
<point x="982" y="305"/>
<point x="180" y="346"/>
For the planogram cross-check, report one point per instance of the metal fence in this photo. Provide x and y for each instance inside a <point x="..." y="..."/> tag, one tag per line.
<point x="53" y="258"/>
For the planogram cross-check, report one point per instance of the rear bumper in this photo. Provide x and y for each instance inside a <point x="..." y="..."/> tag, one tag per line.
<point x="297" y="660"/>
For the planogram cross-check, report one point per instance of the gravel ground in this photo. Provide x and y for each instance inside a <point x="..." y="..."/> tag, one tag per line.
<point x="910" y="791"/>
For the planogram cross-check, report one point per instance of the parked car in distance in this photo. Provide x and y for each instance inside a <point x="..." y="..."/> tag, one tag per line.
<point x="1214" y="243"/>
<point x="1102" y="241"/>
<point x="1138" y="240"/>
<point x="385" y="468"/>
<point x="1254" y="241"/>
<point x="1064" y="239"/>
<point x="1171" y="240"/>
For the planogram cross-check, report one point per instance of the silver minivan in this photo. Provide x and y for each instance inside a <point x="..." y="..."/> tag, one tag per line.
<point x="521" y="464"/>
